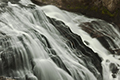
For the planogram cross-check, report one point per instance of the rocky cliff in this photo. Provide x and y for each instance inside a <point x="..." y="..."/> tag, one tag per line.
<point x="103" y="9"/>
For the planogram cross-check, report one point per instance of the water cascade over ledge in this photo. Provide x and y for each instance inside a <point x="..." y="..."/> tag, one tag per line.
<point x="46" y="43"/>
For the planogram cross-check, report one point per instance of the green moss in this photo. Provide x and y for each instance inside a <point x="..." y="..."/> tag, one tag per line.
<point x="105" y="11"/>
<point x="102" y="10"/>
<point x="94" y="8"/>
<point x="86" y="7"/>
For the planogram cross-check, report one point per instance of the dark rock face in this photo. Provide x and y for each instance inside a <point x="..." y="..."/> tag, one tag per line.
<point x="104" y="9"/>
<point x="13" y="1"/>
<point x="105" y="33"/>
<point x="111" y="5"/>
<point x="113" y="68"/>
<point x="68" y="4"/>
<point x="83" y="52"/>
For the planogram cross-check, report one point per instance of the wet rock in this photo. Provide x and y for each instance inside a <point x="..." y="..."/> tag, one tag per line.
<point x="87" y="42"/>
<point x="31" y="77"/>
<point x="75" y="41"/>
<point x="113" y="68"/>
<point x="12" y="1"/>
<point x="60" y="63"/>
<point x="104" y="33"/>
<point x="113" y="75"/>
<point x="104" y="9"/>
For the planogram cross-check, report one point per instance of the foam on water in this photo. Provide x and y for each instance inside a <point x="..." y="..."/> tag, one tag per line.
<point x="31" y="48"/>
<point x="28" y="31"/>
<point x="73" y="20"/>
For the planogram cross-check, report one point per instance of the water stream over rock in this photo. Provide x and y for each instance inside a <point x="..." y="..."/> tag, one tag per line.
<point x="46" y="43"/>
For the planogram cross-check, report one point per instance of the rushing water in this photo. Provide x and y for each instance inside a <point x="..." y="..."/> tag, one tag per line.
<point x="34" y="46"/>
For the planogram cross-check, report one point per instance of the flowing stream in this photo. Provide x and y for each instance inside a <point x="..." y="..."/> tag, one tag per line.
<point x="46" y="43"/>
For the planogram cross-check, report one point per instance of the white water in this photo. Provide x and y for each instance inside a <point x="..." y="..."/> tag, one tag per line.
<point x="24" y="28"/>
<point x="73" y="20"/>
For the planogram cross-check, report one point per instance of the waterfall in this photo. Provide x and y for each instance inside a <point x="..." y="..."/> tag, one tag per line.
<point x="46" y="43"/>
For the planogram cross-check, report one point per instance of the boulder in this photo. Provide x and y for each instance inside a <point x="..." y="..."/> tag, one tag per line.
<point x="111" y="5"/>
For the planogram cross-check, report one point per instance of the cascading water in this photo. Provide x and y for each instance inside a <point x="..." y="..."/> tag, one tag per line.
<point x="34" y="46"/>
